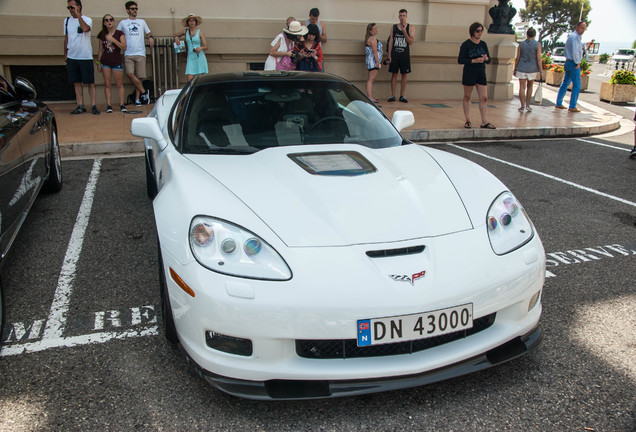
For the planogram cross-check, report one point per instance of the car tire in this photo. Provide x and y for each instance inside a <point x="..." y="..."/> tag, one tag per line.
<point x="170" y="330"/>
<point x="1" y="311"/>
<point x="151" y="186"/>
<point x="54" y="181"/>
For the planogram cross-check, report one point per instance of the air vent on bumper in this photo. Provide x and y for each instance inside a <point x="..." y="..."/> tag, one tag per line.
<point x="396" y="252"/>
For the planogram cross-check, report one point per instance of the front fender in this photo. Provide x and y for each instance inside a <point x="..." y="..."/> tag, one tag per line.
<point x="188" y="191"/>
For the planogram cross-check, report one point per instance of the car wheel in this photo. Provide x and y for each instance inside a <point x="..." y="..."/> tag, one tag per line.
<point x="151" y="186"/>
<point x="170" y="330"/>
<point x="54" y="182"/>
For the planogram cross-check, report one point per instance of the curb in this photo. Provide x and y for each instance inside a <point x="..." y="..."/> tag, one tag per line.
<point x="423" y="135"/>
<point x="418" y="135"/>
<point x="69" y="150"/>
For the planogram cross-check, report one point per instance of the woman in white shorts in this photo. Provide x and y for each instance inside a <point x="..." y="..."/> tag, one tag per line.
<point x="527" y="65"/>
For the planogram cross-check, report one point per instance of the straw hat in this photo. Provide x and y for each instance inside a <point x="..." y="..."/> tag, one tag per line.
<point x="184" y="22"/>
<point x="295" y="28"/>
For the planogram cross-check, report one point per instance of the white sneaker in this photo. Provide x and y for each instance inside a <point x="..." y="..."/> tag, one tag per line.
<point x="137" y="102"/>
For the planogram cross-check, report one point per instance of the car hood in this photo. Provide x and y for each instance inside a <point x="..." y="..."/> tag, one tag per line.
<point x="405" y="196"/>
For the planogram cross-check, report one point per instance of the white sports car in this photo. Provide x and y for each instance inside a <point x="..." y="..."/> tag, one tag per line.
<point x="308" y="251"/>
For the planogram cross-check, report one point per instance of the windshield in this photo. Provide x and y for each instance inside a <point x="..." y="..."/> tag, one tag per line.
<point x="624" y="52"/>
<point x="559" y="51"/>
<point x="244" y="117"/>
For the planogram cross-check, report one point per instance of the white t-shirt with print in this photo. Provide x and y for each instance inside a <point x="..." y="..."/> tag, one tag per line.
<point x="134" y="31"/>
<point x="79" y="43"/>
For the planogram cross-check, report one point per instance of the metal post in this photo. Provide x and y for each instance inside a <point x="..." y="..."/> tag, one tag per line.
<point x="165" y="67"/>
<point x="154" y="70"/>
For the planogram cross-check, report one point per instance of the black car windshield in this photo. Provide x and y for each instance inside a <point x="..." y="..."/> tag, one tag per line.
<point x="243" y="117"/>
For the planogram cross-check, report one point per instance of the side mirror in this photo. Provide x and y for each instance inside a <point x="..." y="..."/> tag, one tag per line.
<point x="403" y="119"/>
<point x="24" y="89"/>
<point x="148" y="127"/>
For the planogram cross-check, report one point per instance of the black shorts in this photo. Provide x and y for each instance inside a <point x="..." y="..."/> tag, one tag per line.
<point x="80" y="71"/>
<point x="401" y="64"/>
<point x="472" y="77"/>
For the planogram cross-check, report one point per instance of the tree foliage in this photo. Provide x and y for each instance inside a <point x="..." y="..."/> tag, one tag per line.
<point x="555" y="17"/>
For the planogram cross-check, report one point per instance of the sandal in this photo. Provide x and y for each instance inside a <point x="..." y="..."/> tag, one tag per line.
<point x="488" y="126"/>
<point x="467" y="125"/>
<point x="375" y="100"/>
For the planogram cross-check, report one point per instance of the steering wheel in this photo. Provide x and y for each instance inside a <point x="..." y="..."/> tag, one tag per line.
<point x="326" y="119"/>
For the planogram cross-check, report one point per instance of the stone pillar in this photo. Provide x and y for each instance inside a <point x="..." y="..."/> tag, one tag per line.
<point x="444" y="30"/>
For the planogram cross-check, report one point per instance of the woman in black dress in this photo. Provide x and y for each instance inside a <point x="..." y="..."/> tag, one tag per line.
<point x="474" y="55"/>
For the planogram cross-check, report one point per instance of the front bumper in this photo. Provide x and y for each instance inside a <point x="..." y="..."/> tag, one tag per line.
<point x="317" y="389"/>
<point x="324" y="301"/>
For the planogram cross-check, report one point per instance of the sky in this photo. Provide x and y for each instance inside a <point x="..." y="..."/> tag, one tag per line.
<point x="612" y="21"/>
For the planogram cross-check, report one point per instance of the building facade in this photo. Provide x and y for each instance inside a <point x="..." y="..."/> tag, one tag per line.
<point x="239" y="36"/>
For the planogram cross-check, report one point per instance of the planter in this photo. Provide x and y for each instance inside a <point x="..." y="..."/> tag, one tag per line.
<point x="585" y="82"/>
<point x="617" y="92"/>
<point x="554" y="78"/>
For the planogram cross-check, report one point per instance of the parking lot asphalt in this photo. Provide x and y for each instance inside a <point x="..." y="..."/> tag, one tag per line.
<point x="104" y="365"/>
<point x="435" y="120"/>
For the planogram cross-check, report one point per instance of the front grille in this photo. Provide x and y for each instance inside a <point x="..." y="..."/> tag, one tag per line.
<point x="348" y="348"/>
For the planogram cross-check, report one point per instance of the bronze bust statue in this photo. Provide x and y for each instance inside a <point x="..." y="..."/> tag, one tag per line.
<point x="501" y="16"/>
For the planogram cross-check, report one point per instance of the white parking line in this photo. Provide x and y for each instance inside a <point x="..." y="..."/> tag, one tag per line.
<point x="551" y="177"/>
<point x="59" y="308"/>
<point x="72" y="341"/>
<point x="604" y="145"/>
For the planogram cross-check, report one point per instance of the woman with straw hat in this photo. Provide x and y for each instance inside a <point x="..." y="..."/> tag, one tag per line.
<point x="196" y="43"/>
<point x="280" y="54"/>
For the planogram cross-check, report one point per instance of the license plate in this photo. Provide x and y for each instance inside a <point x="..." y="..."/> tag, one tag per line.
<point x="377" y="331"/>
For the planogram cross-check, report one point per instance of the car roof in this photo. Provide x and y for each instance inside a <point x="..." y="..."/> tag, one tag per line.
<point x="264" y="76"/>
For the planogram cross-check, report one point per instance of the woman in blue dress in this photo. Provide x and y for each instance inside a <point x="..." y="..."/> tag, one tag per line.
<point x="196" y="44"/>
<point x="373" y="57"/>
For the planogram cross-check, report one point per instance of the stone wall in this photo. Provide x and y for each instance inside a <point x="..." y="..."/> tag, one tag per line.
<point x="239" y="33"/>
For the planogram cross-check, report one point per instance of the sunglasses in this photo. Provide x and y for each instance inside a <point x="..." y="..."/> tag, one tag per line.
<point x="70" y="7"/>
<point x="479" y="31"/>
<point x="109" y="19"/>
<point x="133" y="8"/>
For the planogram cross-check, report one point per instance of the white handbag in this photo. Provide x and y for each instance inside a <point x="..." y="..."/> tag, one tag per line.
<point x="538" y="95"/>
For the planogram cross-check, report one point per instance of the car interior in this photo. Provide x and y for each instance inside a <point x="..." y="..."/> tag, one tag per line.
<point x="260" y="118"/>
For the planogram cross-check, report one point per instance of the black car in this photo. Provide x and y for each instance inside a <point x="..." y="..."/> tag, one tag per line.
<point x="29" y="159"/>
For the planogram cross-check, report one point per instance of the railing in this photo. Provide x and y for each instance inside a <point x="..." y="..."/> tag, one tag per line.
<point x="165" y="66"/>
<point x="611" y="66"/>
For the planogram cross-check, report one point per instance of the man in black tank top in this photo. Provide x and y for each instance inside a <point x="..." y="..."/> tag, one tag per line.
<point x="399" y="54"/>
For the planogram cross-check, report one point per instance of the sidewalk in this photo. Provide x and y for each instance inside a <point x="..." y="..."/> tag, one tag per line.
<point x="435" y="120"/>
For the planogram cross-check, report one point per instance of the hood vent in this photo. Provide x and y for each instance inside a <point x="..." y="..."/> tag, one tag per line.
<point x="345" y="163"/>
<point x="396" y="252"/>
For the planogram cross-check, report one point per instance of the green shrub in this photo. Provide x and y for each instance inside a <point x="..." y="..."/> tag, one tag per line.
<point x="604" y="58"/>
<point x="623" y="77"/>
<point x="585" y="68"/>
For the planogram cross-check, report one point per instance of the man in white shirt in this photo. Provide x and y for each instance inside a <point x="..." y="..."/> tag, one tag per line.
<point x="78" y="53"/>
<point x="574" y="50"/>
<point x="135" y="56"/>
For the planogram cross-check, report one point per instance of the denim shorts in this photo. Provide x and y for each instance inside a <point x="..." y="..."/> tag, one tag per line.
<point x="117" y="68"/>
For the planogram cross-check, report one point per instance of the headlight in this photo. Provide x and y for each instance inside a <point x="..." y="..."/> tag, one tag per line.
<point x="229" y="249"/>
<point x="508" y="225"/>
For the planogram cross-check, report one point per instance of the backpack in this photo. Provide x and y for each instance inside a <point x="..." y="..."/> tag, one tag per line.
<point x="148" y="85"/>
